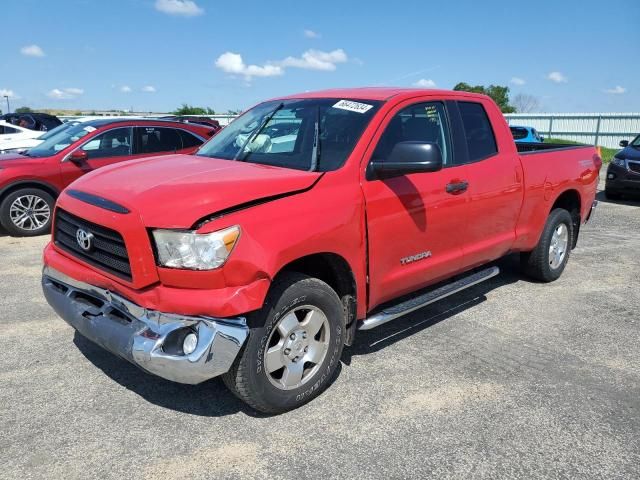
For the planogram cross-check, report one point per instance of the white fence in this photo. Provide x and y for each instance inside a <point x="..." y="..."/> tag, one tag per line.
<point x="602" y="129"/>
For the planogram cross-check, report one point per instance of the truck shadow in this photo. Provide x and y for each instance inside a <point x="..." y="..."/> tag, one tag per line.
<point x="633" y="200"/>
<point x="371" y="341"/>
<point x="212" y="399"/>
<point x="209" y="399"/>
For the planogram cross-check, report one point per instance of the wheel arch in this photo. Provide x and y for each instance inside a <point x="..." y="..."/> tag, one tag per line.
<point x="335" y="271"/>
<point x="50" y="189"/>
<point x="571" y="201"/>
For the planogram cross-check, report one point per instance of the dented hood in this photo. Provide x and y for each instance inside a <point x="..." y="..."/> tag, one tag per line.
<point x="176" y="191"/>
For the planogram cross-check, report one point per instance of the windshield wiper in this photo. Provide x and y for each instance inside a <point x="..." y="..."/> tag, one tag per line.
<point x="315" y="153"/>
<point x="255" y="134"/>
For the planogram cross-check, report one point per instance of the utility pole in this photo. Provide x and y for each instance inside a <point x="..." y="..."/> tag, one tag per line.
<point x="6" y="97"/>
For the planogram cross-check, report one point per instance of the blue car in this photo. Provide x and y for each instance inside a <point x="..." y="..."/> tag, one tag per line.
<point x="526" y="134"/>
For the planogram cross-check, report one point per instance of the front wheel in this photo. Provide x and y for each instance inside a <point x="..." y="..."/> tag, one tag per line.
<point x="546" y="262"/>
<point x="27" y="212"/>
<point x="293" y="357"/>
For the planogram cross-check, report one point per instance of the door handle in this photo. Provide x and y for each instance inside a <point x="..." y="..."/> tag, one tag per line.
<point x="457" y="187"/>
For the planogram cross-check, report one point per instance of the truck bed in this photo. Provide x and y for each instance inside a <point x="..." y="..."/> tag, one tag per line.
<point x="525" y="148"/>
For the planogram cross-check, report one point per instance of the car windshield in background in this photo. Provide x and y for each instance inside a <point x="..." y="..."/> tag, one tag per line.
<point x="284" y="133"/>
<point x="60" y="140"/>
<point x="519" y="133"/>
<point x="636" y="142"/>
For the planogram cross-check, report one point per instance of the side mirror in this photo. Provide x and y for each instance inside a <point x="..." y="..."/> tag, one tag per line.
<point x="408" y="157"/>
<point x="78" y="156"/>
<point x="541" y="139"/>
<point x="624" y="143"/>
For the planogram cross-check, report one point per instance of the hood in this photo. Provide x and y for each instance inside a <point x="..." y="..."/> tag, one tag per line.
<point x="176" y="191"/>
<point x="20" y="143"/>
<point x="629" y="153"/>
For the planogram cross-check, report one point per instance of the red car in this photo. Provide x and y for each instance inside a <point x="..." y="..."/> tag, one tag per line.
<point x="307" y="219"/>
<point x="30" y="183"/>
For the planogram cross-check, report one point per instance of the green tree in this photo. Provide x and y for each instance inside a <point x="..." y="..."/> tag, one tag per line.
<point x="187" y="109"/>
<point x="498" y="93"/>
<point x="23" y="110"/>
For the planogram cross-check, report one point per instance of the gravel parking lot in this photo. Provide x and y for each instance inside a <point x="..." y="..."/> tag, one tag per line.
<point x="510" y="379"/>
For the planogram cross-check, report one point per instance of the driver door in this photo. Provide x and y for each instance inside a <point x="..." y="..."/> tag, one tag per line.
<point x="415" y="223"/>
<point x="104" y="149"/>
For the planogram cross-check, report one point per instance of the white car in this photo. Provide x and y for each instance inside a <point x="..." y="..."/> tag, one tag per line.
<point x="10" y="134"/>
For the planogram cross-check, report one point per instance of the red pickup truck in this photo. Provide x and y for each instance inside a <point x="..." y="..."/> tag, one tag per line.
<point x="306" y="219"/>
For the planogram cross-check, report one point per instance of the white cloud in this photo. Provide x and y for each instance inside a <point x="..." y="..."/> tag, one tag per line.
<point x="32" y="51"/>
<point x="617" y="90"/>
<point x="5" y="92"/>
<point x="518" y="81"/>
<point x="425" y="83"/>
<point x="149" y="89"/>
<point x="186" y="8"/>
<point x="557" y="77"/>
<point x="316" y="60"/>
<point x="232" y="63"/>
<point x="65" y="93"/>
<point x="311" y="34"/>
<point x="125" y="89"/>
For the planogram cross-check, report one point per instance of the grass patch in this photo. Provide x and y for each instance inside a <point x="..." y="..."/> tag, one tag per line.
<point x="606" y="153"/>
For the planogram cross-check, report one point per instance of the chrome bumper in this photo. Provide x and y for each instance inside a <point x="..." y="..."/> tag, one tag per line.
<point x="146" y="338"/>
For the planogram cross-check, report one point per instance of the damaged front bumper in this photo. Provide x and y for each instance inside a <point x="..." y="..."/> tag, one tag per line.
<point x="150" y="339"/>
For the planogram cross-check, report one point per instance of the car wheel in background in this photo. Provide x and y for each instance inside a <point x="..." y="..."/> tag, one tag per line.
<point x="27" y="212"/>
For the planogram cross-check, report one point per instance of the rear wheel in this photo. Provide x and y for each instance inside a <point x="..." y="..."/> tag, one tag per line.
<point x="547" y="261"/>
<point x="293" y="357"/>
<point x="27" y="212"/>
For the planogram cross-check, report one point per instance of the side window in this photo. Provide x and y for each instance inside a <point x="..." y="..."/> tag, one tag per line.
<point x="480" y="139"/>
<point x="157" y="139"/>
<point x="8" y="130"/>
<point x="425" y="122"/>
<point x="189" y="140"/>
<point x="112" y="143"/>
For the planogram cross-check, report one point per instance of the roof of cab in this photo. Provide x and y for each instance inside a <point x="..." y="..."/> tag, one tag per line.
<point x="379" y="93"/>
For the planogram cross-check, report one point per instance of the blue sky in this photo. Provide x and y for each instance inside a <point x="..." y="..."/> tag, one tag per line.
<point x="153" y="55"/>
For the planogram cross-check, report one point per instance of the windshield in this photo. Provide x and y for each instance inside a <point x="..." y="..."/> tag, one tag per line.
<point x="60" y="139"/>
<point x="56" y="130"/>
<point x="305" y="134"/>
<point x="636" y="141"/>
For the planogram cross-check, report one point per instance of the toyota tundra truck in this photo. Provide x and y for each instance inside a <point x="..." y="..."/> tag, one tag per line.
<point x="307" y="219"/>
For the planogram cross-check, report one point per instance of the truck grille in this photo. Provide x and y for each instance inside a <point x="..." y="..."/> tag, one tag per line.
<point x="107" y="250"/>
<point x="634" y="166"/>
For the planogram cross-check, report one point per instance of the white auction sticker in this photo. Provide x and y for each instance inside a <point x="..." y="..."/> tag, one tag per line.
<point x="90" y="129"/>
<point x="353" y="106"/>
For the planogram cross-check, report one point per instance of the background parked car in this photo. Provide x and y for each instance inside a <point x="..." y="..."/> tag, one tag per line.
<point x="32" y="120"/>
<point x="525" y="134"/>
<point x="30" y="183"/>
<point x="201" y="120"/>
<point x="623" y="173"/>
<point x="11" y="133"/>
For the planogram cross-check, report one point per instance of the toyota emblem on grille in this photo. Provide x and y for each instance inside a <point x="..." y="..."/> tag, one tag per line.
<point x="84" y="239"/>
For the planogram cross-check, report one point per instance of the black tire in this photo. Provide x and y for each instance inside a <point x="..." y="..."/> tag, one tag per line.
<point x="248" y="378"/>
<point x="29" y="228"/>
<point x="537" y="263"/>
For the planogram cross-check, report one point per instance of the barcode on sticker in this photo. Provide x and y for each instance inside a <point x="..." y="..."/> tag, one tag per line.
<point x="353" y="106"/>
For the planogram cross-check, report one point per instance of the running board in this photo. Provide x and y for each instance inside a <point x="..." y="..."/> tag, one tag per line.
<point x="408" y="306"/>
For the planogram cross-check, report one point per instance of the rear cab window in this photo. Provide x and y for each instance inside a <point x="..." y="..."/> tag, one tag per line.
<point x="481" y="141"/>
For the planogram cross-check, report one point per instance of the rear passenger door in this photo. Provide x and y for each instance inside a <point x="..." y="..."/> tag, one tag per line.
<point x="495" y="183"/>
<point x="162" y="140"/>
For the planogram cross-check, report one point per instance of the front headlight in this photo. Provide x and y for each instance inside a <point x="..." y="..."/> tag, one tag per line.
<point x="193" y="251"/>
<point x="618" y="161"/>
